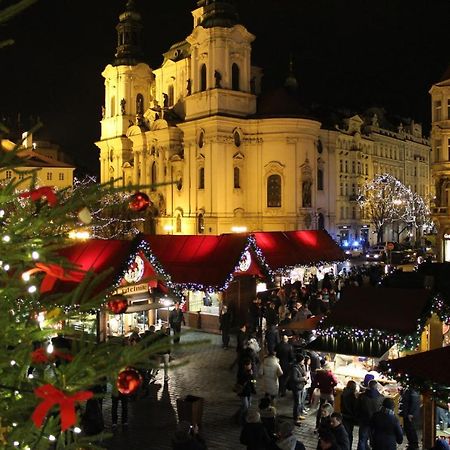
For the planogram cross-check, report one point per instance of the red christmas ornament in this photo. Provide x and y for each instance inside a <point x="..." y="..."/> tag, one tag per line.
<point x="40" y="356"/>
<point x="118" y="304"/>
<point x="139" y="201"/>
<point x="128" y="381"/>
<point x="45" y="192"/>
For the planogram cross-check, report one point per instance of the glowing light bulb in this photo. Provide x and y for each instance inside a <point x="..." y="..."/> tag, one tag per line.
<point x="50" y="348"/>
<point x="13" y="363"/>
<point x="2" y="213"/>
<point x="77" y="430"/>
<point x="6" y="238"/>
<point x="6" y="267"/>
<point x="32" y="289"/>
<point x="16" y="443"/>
<point x="30" y="376"/>
<point x="52" y="438"/>
<point x="35" y="255"/>
<point x="26" y="276"/>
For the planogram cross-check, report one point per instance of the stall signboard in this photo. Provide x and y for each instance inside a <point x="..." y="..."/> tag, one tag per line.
<point x="133" y="289"/>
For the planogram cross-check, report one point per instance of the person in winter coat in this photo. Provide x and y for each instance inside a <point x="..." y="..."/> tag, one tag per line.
<point x="349" y="403"/>
<point x="286" y="438"/>
<point x="369" y="402"/>
<point x="176" y="318"/>
<point x="327" y="442"/>
<point x="385" y="428"/>
<point x="271" y="373"/>
<point x="339" y="432"/>
<point x="325" y="380"/>
<point x="285" y="354"/>
<point x="226" y="321"/>
<point x="245" y="379"/>
<point x="324" y="428"/>
<point x="187" y="437"/>
<point x="272" y="338"/>
<point x="254" y="434"/>
<point x="410" y="411"/>
<point x="297" y="381"/>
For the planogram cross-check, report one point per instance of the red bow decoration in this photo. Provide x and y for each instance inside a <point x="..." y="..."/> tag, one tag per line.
<point x="55" y="272"/>
<point x="37" y="194"/>
<point x="40" y="356"/>
<point x="53" y="396"/>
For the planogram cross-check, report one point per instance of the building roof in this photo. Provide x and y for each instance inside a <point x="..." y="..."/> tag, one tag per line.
<point x="431" y="366"/>
<point x="204" y="260"/>
<point x="36" y="160"/>
<point x="393" y="310"/>
<point x="280" y="102"/>
<point x="97" y="256"/>
<point x="284" y="249"/>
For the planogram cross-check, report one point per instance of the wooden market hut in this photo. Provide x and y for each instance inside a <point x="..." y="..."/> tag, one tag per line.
<point x="228" y="264"/>
<point x="429" y="373"/>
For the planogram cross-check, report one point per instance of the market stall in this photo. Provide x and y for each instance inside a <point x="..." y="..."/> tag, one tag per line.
<point x="429" y="373"/>
<point x="210" y="271"/>
<point x="372" y="324"/>
<point x="298" y="255"/>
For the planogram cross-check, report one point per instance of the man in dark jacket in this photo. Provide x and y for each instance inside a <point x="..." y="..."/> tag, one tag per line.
<point x="385" y="428"/>
<point x="226" y="320"/>
<point x="348" y="409"/>
<point x="410" y="411"/>
<point x="272" y="339"/>
<point x="369" y="402"/>
<point x="176" y="318"/>
<point x="254" y="434"/>
<point x="339" y="432"/>
<point x="285" y="353"/>
<point x="297" y="384"/>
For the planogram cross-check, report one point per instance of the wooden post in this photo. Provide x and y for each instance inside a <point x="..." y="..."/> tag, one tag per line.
<point x="429" y="421"/>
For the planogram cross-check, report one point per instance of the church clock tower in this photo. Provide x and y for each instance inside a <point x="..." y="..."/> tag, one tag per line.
<point x="127" y="95"/>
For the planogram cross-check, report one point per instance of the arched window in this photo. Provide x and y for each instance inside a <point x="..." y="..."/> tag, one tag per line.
<point x="140" y="104"/>
<point x="154" y="176"/>
<point x="201" y="178"/>
<point x="178" y="226"/>
<point x="236" y="178"/>
<point x="203" y="77"/>
<point x="200" y="224"/>
<point x="320" y="222"/>
<point x="113" y="106"/>
<point x="171" y="95"/>
<point x="320" y="179"/>
<point x="235" y="77"/>
<point x="274" y="191"/>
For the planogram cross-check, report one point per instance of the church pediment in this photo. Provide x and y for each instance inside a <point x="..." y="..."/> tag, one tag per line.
<point x="238" y="156"/>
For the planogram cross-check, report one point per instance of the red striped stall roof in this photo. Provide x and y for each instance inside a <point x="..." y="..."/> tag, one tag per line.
<point x="284" y="249"/>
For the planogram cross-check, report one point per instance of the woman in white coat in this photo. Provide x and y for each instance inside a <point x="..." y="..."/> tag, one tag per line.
<point x="271" y="372"/>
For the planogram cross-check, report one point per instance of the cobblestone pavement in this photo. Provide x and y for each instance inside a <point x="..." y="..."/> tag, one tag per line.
<point x="200" y="370"/>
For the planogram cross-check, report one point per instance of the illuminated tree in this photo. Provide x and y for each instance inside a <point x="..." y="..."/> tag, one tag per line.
<point x="385" y="200"/>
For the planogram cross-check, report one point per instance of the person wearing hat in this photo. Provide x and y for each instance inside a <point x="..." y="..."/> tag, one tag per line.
<point x="254" y="434"/>
<point x="187" y="437"/>
<point x="286" y="438"/>
<point x="385" y="427"/>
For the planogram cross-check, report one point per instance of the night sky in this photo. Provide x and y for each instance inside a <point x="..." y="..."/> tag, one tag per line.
<point x="347" y="53"/>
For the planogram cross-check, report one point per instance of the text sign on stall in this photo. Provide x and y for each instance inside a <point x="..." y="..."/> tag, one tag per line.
<point x="133" y="289"/>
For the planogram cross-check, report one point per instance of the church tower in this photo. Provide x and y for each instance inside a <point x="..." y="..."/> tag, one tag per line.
<point x="440" y="141"/>
<point x="127" y="95"/>
<point x="220" y="70"/>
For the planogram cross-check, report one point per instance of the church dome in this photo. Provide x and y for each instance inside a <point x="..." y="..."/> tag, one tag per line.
<point x="280" y="102"/>
<point x="218" y="13"/>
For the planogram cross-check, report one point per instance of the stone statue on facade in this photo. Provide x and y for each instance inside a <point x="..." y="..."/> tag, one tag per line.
<point x="218" y="79"/>
<point x="306" y="194"/>
<point x="123" y="103"/>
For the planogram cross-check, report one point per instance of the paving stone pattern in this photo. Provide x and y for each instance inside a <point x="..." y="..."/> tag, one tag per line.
<point x="200" y="370"/>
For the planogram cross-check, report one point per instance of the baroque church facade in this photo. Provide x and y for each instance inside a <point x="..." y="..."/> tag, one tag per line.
<point x="219" y="156"/>
<point x="191" y="131"/>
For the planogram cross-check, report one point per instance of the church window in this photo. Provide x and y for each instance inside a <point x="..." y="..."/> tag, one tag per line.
<point x="237" y="139"/>
<point x="274" y="191"/>
<point x="140" y="104"/>
<point x="437" y="145"/>
<point x="341" y="167"/>
<point x="113" y="106"/>
<point x="178" y="225"/>
<point x="180" y="183"/>
<point x="359" y="168"/>
<point x="448" y="109"/>
<point x="235" y="77"/>
<point x="154" y="176"/>
<point x="346" y="167"/>
<point x="341" y="189"/>
<point x="201" y="178"/>
<point x="203" y="78"/>
<point x="171" y="95"/>
<point x="437" y="110"/>
<point x="320" y="179"/>
<point x="200" y="224"/>
<point x="61" y="176"/>
<point x="49" y="176"/>
<point x="8" y="174"/>
<point x="353" y="166"/>
<point x="201" y="139"/>
<point x="236" y="178"/>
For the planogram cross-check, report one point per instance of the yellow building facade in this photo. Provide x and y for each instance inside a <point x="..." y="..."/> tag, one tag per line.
<point x="440" y="138"/>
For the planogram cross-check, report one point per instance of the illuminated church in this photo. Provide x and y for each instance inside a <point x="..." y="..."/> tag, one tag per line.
<point x="216" y="158"/>
<point x="218" y="155"/>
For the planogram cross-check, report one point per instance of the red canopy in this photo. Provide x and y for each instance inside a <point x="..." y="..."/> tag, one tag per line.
<point x="284" y="249"/>
<point x="202" y="260"/>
